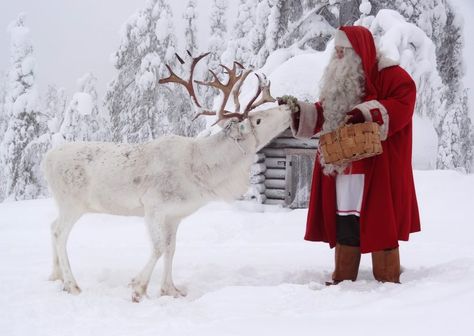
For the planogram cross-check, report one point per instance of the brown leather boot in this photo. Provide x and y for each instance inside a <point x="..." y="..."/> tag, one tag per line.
<point x="386" y="265"/>
<point x="347" y="260"/>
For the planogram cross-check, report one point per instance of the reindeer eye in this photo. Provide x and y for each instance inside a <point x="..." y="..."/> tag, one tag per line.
<point x="258" y="121"/>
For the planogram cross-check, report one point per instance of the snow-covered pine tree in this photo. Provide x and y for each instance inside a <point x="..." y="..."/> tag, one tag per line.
<point x="82" y="118"/>
<point x="443" y="25"/>
<point x="140" y="109"/>
<point x="55" y="103"/>
<point x="257" y="35"/>
<point x="274" y="29"/>
<point x="217" y="46"/>
<point x="19" y="176"/>
<point x="186" y="125"/>
<point x="190" y="31"/>
<point x="452" y="148"/>
<point x="308" y="23"/>
<point x="175" y="112"/>
<point x="456" y="138"/>
<point x="3" y="91"/>
<point x="238" y="46"/>
<point x="217" y="42"/>
<point x="131" y="96"/>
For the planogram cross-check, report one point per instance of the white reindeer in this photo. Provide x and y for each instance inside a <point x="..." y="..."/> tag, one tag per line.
<point x="163" y="180"/>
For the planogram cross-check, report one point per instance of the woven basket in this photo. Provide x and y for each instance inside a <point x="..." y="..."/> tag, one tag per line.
<point x="351" y="143"/>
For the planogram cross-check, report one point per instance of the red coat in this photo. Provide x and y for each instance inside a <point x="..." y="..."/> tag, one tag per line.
<point x="389" y="211"/>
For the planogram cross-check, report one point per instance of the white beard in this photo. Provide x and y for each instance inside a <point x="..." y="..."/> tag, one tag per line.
<point x="342" y="87"/>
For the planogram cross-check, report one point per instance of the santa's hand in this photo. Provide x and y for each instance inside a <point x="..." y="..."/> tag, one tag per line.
<point x="290" y="101"/>
<point x="354" y="117"/>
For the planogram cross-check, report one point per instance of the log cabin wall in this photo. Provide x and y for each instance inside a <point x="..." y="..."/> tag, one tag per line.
<point x="282" y="171"/>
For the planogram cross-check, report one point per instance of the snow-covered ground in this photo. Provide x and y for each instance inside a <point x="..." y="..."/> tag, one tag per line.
<point x="247" y="271"/>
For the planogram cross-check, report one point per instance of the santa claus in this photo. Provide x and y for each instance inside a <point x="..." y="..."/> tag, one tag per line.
<point x="369" y="205"/>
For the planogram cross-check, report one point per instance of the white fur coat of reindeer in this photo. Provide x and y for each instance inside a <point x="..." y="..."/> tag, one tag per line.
<point x="163" y="180"/>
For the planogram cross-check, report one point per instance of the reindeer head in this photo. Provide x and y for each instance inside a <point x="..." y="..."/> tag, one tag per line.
<point x="264" y="124"/>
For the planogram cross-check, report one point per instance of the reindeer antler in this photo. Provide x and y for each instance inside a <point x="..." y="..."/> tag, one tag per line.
<point x="173" y="78"/>
<point x="226" y="89"/>
<point x="264" y="88"/>
<point x="232" y="87"/>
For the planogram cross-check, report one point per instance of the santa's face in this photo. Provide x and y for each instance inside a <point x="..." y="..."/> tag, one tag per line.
<point x="339" y="52"/>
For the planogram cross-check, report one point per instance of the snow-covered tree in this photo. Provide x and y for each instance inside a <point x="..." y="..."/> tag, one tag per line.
<point x="266" y="25"/>
<point x="217" y="46"/>
<point x="82" y="118"/>
<point x="54" y="107"/>
<point x="238" y="47"/>
<point x="140" y="109"/>
<point x="3" y="117"/>
<point x="190" y="30"/>
<point x="217" y="41"/>
<point x="130" y="98"/>
<point x="257" y="35"/>
<point x="456" y="141"/>
<point x="443" y="25"/>
<point x="19" y="176"/>
<point x="175" y="113"/>
<point x="274" y="30"/>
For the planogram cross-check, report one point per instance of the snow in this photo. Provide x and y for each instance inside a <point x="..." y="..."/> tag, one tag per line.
<point x="365" y="7"/>
<point x="27" y="65"/>
<point x="162" y="27"/>
<point x="83" y="103"/>
<point x="299" y="76"/>
<point x="247" y="271"/>
<point x="425" y="143"/>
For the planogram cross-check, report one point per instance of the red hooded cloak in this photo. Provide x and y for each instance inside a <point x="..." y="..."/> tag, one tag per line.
<point x="389" y="211"/>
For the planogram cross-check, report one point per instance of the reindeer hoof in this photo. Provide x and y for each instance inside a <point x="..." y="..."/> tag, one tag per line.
<point x="173" y="291"/>
<point x="139" y="290"/>
<point x="136" y="297"/>
<point x="72" y="289"/>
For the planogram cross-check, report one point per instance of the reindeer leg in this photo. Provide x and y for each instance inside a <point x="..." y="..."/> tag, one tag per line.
<point x="169" y="230"/>
<point x="140" y="282"/>
<point x="56" y="273"/>
<point x="60" y="231"/>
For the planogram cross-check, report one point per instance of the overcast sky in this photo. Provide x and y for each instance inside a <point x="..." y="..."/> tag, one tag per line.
<point x="72" y="37"/>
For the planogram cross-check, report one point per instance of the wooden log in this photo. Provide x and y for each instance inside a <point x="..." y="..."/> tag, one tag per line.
<point x="272" y="201"/>
<point x="292" y="143"/>
<point x="275" y="193"/>
<point x="274" y="152"/>
<point x="311" y="152"/>
<point x="275" y="173"/>
<point x="275" y="162"/>
<point x="275" y="184"/>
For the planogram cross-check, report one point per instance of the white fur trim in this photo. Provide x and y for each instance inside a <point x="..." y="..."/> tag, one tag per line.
<point x="341" y="40"/>
<point x="385" y="62"/>
<point x="308" y="119"/>
<point x="365" y="108"/>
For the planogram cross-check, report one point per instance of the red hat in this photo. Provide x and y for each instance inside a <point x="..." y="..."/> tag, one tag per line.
<point x="363" y="44"/>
